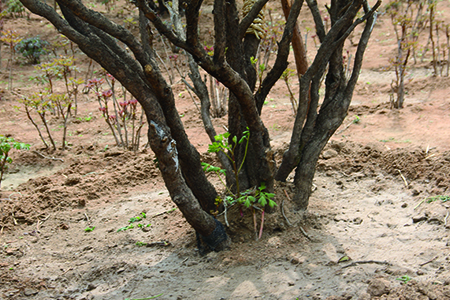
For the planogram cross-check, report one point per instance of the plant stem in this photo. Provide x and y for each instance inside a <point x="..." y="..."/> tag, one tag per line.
<point x="66" y="117"/>
<point x="35" y="125"/>
<point x="255" y="227"/>
<point x="262" y="224"/>
<point x="42" y="115"/>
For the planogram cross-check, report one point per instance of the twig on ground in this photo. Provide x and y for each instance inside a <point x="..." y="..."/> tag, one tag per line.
<point x="418" y="204"/>
<point x="165" y="212"/>
<point x="184" y="260"/>
<point x="47" y="157"/>
<point x="403" y="177"/>
<point x="346" y="127"/>
<point x="66" y="271"/>
<point x="304" y="233"/>
<point x="87" y="218"/>
<point x="14" y="219"/>
<point x="427" y="262"/>
<point x="360" y="262"/>
<point x="445" y="219"/>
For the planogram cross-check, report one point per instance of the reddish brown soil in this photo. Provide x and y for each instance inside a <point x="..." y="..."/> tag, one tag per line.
<point x="369" y="221"/>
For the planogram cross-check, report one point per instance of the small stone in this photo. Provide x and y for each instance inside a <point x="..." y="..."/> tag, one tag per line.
<point x="415" y="192"/>
<point x="191" y="263"/>
<point x="357" y="221"/>
<point x="30" y="292"/>
<point x="82" y="202"/>
<point x="404" y="205"/>
<point x="91" y="287"/>
<point x="378" y="287"/>
<point x="329" y="153"/>
<point x="419" y="272"/>
<point x="72" y="180"/>
<point x="291" y="284"/>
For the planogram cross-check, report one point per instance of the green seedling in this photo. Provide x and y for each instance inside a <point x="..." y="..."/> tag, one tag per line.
<point x="252" y="198"/>
<point x="138" y="218"/>
<point x="89" y="229"/>
<point x="404" y="279"/>
<point x="439" y="197"/>
<point x="131" y="226"/>
<point x="6" y="145"/>
<point x="140" y="244"/>
<point x="142" y="225"/>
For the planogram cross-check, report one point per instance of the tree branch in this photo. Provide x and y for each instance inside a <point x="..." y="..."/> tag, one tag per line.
<point x="192" y="15"/>
<point x="282" y="55"/>
<point x="320" y="29"/>
<point x="101" y="22"/>
<point x="219" y="32"/>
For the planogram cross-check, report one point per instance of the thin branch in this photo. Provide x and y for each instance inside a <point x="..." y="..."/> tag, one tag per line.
<point x="282" y="55"/>
<point x="101" y="22"/>
<point x="320" y="29"/>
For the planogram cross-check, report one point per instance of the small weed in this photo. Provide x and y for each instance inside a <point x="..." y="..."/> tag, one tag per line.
<point x="141" y="244"/>
<point x="137" y="219"/>
<point x="131" y="226"/>
<point x="134" y="220"/>
<point x="404" y="279"/>
<point x="439" y="197"/>
<point x="89" y="229"/>
<point x="6" y="145"/>
<point x="85" y="119"/>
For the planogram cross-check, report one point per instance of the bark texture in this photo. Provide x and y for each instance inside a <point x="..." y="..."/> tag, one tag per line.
<point x="179" y="161"/>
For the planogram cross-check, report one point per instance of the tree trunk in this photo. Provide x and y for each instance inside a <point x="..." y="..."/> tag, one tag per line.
<point x="319" y="127"/>
<point x="147" y="87"/>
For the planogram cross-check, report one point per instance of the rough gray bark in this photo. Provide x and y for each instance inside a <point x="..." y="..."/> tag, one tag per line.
<point x="178" y="160"/>
<point x="313" y="129"/>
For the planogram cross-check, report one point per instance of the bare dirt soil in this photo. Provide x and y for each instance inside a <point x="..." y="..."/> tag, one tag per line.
<point x="371" y="231"/>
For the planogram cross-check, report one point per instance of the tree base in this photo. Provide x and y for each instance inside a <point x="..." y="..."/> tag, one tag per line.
<point x="217" y="241"/>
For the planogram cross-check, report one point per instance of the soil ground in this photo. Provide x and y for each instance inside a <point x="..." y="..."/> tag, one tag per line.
<point x="370" y="227"/>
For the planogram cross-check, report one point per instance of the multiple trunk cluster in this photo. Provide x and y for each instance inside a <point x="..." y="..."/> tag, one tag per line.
<point x="234" y="46"/>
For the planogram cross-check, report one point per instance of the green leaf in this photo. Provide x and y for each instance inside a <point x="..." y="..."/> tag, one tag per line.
<point x="89" y="229"/>
<point x="272" y="203"/>
<point x="263" y="186"/>
<point x="235" y="139"/>
<point x="269" y="195"/>
<point x="262" y="200"/>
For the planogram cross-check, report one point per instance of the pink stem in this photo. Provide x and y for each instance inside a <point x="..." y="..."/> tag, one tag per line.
<point x="262" y="224"/>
